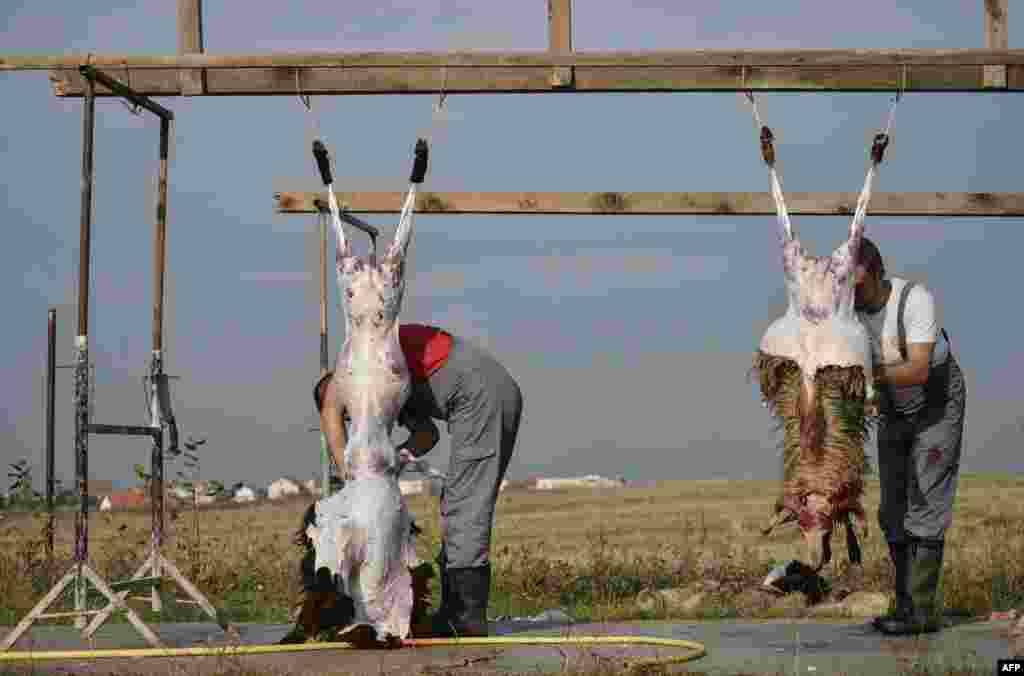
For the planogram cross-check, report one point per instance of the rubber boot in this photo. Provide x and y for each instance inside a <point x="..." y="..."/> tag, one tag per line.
<point x="925" y="569"/>
<point x="440" y="622"/>
<point x="471" y="588"/>
<point x="899" y="552"/>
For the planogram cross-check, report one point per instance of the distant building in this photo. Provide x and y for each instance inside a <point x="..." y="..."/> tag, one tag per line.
<point x="131" y="498"/>
<point x="242" y="493"/>
<point x="430" y="486"/>
<point x="590" y="481"/>
<point x="283" y="488"/>
<point x="312" y="486"/>
<point x="518" y="485"/>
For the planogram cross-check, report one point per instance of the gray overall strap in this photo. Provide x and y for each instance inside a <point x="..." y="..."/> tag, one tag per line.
<point x="900" y="328"/>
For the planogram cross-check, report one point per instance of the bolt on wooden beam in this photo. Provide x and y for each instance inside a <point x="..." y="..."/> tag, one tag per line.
<point x="977" y="204"/>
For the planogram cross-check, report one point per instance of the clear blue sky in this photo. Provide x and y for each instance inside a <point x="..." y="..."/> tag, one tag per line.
<point x="630" y="336"/>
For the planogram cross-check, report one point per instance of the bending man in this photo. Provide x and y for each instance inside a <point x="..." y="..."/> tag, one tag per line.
<point x="454" y="381"/>
<point x="920" y="435"/>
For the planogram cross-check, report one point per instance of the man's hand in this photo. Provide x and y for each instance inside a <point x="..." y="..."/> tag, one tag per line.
<point x="405" y="456"/>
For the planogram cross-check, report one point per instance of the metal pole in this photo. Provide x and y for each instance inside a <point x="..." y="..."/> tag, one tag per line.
<point x="156" y="369"/>
<point x="51" y="382"/>
<point x="82" y="355"/>
<point x="325" y="457"/>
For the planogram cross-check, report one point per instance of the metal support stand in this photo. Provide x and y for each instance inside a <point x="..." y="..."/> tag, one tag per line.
<point x="160" y="413"/>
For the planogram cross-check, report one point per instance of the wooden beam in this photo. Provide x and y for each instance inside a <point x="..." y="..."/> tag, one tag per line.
<point x="560" y="39"/>
<point x="996" y="37"/>
<point x="692" y="58"/>
<point x="920" y="70"/>
<point x="190" y="41"/>
<point x="633" y="79"/>
<point x="978" y="204"/>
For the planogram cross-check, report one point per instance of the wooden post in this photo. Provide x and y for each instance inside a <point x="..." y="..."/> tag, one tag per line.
<point x="156" y="369"/>
<point x="190" y="41"/>
<point x="160" y="242"/>
<point x="996" y="38"/>
<point x="82" y="356"/>
<point x="560" y="39"/>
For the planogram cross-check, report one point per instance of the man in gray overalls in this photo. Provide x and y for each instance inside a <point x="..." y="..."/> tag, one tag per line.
<point x="455" y="381"/>
<point x="920" y="435"/>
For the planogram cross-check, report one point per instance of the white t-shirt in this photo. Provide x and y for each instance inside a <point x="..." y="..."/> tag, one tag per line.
<point x="922" y="325"/>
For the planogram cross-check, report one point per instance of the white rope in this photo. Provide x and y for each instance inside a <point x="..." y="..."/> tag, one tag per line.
<point x="896" y="99"/>
<point x="782" y="214"/>
<point x="404" y="222"/>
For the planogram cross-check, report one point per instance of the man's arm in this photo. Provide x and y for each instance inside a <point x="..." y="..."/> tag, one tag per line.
<point x="913" y="371"/>
<point x="333" y="427"/>
<point x="922" y="333"/>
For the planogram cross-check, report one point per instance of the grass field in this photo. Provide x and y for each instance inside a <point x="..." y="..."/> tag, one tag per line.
<point x="589" y="551"/>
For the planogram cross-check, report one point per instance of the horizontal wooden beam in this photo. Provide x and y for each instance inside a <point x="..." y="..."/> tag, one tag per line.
<point x="976" y="204"/>
<point x="918" y="70"/>
<point x="330" y="81"/>
<point x="691" y="58"/>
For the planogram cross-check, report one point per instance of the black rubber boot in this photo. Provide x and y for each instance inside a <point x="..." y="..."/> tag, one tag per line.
<point x="924" y="571"/>
<point x="441" y="620"/>
<point x="899" y="552"/>
<point x="471" y="588"/>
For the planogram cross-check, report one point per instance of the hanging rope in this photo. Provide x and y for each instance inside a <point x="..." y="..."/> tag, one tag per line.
<point x="313" y="126"/>
<point x="768" y="155"/>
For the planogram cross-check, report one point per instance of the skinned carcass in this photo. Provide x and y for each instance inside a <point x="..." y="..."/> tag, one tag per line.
<point x="362" y="535"/>
<point x="815" y="374"/>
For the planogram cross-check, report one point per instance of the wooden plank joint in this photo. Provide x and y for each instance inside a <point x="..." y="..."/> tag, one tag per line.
<point x="996" y="37"/>
<point x="190" y="41"/>
<point x="560" y="41"/>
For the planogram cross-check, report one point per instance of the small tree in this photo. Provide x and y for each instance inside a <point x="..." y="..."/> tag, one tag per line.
<point x="190" y="477"/>
<point x="20" y="493"/>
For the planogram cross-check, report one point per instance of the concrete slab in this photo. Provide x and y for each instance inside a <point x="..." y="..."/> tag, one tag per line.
<point x="806" y="647"/>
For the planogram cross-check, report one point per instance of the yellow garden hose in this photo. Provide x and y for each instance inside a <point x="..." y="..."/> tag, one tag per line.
<point x="695" y="650"/>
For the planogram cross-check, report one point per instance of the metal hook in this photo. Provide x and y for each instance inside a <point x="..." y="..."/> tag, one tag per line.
<point x="443" y="94"/>
<point x="902" y="86"/>
<point x="305" y="99"/>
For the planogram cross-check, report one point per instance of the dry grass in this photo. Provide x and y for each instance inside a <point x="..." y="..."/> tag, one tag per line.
<point x="589" y="551"/>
